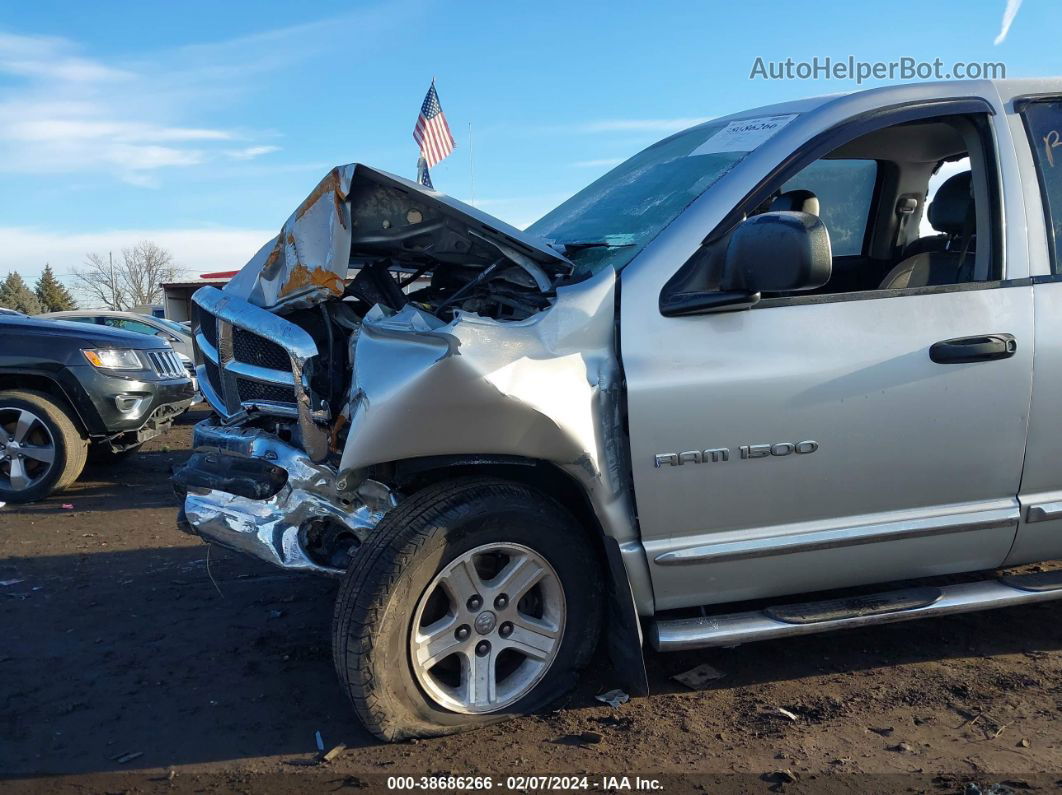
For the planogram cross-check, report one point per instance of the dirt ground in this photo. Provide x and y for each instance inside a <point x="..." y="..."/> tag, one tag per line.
<point x="123" y="667"/>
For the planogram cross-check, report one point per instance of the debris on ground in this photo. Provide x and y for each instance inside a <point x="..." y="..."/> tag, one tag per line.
<point x="129" y="756"/>
<point x="333" y="753"/>
<point x="884" y="731"/>
<point x="698" y="678"/>
<point x="6" y="583"/>
<point x="591" y="737"/>
<point x="68" y="506"/>
<point x="320" y="740"/>
<point x="785" y="776"/>
<point x="613" y="697"/>
<point x="779" y="712"/>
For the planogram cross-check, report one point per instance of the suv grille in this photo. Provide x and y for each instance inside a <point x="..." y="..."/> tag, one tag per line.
<point x="166" y="363"/>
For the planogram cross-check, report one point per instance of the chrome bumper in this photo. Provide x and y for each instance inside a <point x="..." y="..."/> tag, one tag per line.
<point x="270" y="529"/>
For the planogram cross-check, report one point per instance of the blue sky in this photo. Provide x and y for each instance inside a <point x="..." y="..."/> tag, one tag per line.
<point x="202" y="125"/>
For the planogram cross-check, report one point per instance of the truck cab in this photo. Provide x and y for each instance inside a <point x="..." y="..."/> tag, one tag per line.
<point x="717" y="396"/>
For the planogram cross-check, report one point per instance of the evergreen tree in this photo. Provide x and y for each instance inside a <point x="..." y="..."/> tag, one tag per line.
<point x="54" y="297"/>
<point x="15" y="294"/>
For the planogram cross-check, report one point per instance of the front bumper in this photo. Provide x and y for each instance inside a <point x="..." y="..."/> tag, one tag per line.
<point x="99" y="393"/>
<point x="279" y="528"/>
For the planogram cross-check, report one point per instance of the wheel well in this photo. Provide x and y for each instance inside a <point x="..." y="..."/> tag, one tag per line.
<point x="414" y="475"/>
<point x="42" y="383"/>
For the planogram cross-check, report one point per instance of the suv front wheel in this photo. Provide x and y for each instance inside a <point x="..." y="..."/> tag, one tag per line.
<point x="474" y="601"/>
<point x="41" y="450"/>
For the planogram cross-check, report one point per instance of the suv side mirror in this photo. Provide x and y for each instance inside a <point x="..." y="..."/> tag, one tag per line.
<point x="775" y="252"/>
<point x="778" y="252"/>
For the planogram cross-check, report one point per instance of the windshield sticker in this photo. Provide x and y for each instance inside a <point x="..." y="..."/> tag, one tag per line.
<point x="744" y="135"/>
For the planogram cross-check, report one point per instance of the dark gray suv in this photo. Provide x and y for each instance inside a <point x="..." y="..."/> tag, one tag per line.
<point x="66" y="388"/>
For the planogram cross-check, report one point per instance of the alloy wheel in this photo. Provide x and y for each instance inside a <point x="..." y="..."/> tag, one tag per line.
<point x="27" y="449"/>
<point x="487" y="628"/>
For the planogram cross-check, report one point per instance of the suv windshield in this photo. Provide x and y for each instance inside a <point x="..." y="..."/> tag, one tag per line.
<point x="175" y="327"/>
<point x="612" y="219"/>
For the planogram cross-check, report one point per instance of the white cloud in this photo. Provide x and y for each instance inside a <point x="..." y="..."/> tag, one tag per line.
<point x="251" y="152"/>
<point x="133" y="117"/>
<point x="73" y="114"/>
<point x="1009" y="13"/>
<point x="57" y="129"/>
<point x="200" y="250"/>
<point x="63" y="112"/>
<point x="51" y="58"/>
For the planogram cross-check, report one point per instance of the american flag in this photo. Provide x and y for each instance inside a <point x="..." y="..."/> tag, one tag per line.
<point x="432" y="133"/>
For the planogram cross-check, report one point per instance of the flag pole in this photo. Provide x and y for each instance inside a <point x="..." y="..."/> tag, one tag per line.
<point x="471" y="168"/>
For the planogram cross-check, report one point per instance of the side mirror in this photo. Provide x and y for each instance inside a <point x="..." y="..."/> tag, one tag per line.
<point x="778" y="252"/>
<point x="775" y="252"/>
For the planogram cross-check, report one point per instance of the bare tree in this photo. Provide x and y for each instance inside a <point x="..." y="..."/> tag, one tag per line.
<point x="135" y="279"/>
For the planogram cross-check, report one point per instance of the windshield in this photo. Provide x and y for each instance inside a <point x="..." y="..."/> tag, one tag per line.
<point x="629" y="206"/>
<point x="173" y="326"/>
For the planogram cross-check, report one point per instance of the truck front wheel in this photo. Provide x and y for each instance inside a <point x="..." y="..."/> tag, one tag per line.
<point x="475" y="601"/>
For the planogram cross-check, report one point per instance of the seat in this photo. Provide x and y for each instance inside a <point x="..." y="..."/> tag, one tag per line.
<point x="803" y="201"/>
<point x="949" y="257"/>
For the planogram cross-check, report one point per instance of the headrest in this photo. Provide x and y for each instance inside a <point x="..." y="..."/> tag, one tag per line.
<point x="951" y="205"/>
<point x="803" y="201"/>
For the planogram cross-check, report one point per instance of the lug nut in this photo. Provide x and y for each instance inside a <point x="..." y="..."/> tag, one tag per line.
<point x="506" y="629"/>
<point x="475" y="602"/>
<point x="501" y="602"/>
<point x="482" y="648"/>
<point x="463" y="632"/>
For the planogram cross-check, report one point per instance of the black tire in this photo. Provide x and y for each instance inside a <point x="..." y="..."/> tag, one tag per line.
<point x="69" y="445"/>
<point x="414" y="542"/>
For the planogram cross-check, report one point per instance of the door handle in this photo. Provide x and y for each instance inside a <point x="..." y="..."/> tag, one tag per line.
<point x="983" y="348"/>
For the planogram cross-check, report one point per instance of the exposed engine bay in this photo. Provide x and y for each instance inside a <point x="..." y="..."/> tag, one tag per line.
<point x="404" y="244"/>
<point x="365" y="241"/>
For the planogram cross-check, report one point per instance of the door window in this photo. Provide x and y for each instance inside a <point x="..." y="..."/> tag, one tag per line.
<point x="845" y="189"/>
<point x="1043" y="120"/>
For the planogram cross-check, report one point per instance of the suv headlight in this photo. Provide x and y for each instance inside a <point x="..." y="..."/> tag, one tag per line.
<point x="114" y="359"/>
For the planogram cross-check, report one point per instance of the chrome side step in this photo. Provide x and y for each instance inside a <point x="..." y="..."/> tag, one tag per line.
<point x="732" y="629"/>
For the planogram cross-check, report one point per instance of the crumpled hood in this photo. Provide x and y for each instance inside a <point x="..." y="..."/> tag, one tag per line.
<point x="363" y="212"/>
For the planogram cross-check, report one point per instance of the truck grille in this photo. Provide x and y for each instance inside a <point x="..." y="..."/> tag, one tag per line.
<point x="252" y="349"/>
<point x="255" y="391"/>
<point x="250" y="359"/>
<point x="166" y="364"/>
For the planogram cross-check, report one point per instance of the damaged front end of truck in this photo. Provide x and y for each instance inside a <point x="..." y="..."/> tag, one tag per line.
<point x="458" y="343"/>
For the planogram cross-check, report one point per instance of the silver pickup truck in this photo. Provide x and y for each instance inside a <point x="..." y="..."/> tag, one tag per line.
<point x="723" y="394"/>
